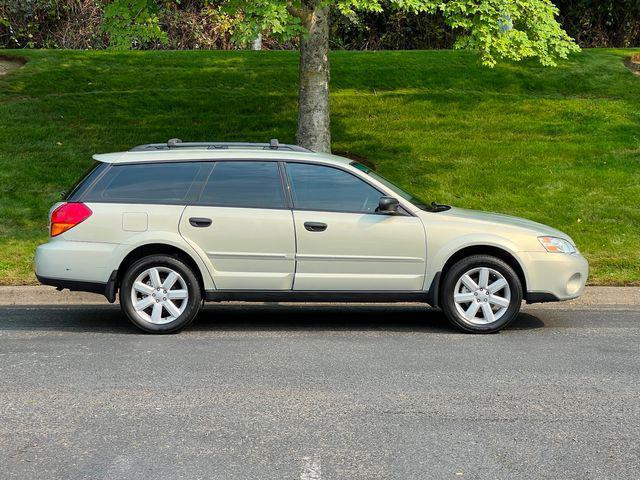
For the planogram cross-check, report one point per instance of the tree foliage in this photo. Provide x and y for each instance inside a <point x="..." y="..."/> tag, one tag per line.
<point x="132" y="23"/>
<point x="196" y="24"/>
<point x="511" y="29"/>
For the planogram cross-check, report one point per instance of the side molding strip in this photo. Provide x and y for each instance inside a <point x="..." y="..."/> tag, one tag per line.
<point x="315" y="296"/>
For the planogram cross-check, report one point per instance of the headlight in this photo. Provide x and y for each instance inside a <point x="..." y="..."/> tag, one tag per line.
<point x="557" y="245"/>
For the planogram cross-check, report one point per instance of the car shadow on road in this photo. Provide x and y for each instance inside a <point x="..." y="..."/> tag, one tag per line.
<point x="247" y="317"/>
<point x="297" y="317"/>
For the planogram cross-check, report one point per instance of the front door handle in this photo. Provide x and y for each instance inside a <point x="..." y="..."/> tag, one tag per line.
<point x="200" y="221"/>
<point x="315" y="226"/>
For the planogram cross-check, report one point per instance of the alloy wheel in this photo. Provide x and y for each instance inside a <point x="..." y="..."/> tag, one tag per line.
<point x="482" y="295"/>
<point x="159" y="295"/>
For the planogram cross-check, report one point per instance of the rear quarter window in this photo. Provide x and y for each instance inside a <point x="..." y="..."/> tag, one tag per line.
<point x="167" y="183"/>
<point x="85" y="182"/>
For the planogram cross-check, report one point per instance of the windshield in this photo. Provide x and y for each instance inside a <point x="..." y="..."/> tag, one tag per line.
<point x="418" y="202"/>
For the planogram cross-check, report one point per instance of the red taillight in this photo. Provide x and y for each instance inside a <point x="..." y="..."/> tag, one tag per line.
<point x="67" y="216"/>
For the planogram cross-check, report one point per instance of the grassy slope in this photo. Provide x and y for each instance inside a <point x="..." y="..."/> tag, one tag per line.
<point x="560" y="146"/>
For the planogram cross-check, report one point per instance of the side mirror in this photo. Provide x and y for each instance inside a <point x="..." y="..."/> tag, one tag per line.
<point x="388" y="205"/>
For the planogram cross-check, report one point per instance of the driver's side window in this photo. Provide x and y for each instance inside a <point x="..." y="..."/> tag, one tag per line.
<point x="323" y="188"/>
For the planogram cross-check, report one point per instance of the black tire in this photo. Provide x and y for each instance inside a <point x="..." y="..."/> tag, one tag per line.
<point x="193" y="301"/>
<point x="468" y="264"/>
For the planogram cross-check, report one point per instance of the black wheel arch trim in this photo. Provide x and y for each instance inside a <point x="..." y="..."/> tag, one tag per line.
<point x="482" y="249"/>
<point x="433" y="294"/>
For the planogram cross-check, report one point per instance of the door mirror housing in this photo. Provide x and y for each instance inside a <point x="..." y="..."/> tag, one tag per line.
<point x="388" y="205"/>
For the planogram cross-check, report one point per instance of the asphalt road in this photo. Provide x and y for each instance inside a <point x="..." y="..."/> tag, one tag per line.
<point x="309" y="392"/>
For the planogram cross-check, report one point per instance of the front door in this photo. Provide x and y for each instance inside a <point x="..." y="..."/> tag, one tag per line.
<point x="244" y="226"/>
<point x="343" y="244"/>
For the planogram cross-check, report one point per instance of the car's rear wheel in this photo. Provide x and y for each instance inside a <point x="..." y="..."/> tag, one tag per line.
<point x="481" y="294"/>
<point x="160" y="294"/>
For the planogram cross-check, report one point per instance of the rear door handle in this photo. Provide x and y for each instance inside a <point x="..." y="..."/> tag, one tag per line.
<point x="315" y="226"/>
<point x="200" y="221"/>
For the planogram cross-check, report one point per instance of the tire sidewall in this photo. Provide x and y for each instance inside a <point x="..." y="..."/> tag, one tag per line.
<point x="466" y="264"/>
<point x="193" y="288"/>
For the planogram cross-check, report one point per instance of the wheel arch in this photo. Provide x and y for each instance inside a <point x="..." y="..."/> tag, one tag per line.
<point x="481" y="249"/>
<point x="147" y="249"/>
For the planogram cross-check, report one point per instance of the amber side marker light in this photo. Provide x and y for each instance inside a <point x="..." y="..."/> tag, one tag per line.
<point x="67" y="216"/>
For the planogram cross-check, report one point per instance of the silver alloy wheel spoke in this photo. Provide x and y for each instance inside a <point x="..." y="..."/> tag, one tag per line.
<point x="143" y="288"/>
<point x="487" y="312"/>
<point x="170" y="280"/>
<point x="483" y="281"/>
<point x="500" y="301"/>
<point x="171" y="308"/>
<point x="472" y="310"/>
<point x="156" y="315"/>
<point x="497" y="285"/>
<point x="470" y="284"/>
<point x="176" y="294"/>
<point x="159" y="295"/>
<point x="144" y="303"/>
<point x="464" y="297"/>
<point x="154" y="274"/>
<point x="482" y="295"/>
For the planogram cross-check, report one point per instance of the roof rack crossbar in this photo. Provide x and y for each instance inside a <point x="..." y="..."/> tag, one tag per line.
<point x="177" y="143"/>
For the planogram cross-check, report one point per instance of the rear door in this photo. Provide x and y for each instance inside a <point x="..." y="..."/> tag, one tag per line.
<point x="343" y="244"/>
<point x="243" y="223"/>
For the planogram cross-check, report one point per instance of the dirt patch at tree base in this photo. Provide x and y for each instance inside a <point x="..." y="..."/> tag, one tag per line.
<point x="633" y="63"/>
<point x="8" y="64"/>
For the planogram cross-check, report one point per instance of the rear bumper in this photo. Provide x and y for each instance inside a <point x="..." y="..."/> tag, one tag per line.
<point x="553" y="277"/>
<point x="77" y="266"/>
<point x="107" y="289"/>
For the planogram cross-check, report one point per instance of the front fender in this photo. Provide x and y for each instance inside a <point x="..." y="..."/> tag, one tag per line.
<point x="440" y="253"/>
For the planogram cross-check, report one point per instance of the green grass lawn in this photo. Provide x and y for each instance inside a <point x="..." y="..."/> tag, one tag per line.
<point x="557" y="145"/>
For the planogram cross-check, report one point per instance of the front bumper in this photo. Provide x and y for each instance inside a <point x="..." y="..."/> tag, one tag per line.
<point x="554" y="276"/>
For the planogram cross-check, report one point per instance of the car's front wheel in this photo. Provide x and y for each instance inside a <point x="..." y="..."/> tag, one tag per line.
<point x="160" y="294"/>
<point x="481" y="294"/>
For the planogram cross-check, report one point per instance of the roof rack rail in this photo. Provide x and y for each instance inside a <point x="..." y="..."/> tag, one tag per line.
<point x="273" y="144"/>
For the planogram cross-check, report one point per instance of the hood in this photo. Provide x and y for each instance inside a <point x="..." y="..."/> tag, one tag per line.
<point x="498" y="219"/>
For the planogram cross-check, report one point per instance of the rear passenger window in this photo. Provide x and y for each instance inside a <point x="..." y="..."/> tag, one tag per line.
<point x="145" y="183"/>
<point x="244" y="184"/>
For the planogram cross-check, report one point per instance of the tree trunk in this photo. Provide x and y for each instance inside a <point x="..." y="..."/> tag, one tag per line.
<point x="256" y="44"/>
<point x="313" y="96"/>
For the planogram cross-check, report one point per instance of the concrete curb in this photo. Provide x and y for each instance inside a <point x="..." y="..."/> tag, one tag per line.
<point x="43" y="295"/>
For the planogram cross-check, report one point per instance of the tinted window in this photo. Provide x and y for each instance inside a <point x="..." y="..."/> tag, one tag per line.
<point x="316" y="187"/>
<point x="146" y="183"/>
<point x="244" y="184"/>
<point x="85" y="181"/>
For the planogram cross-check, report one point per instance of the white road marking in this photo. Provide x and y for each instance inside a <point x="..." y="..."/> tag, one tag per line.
<point x="311" y="468"/>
